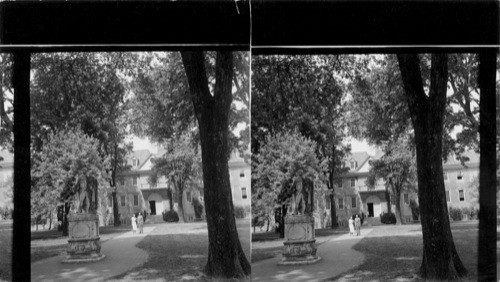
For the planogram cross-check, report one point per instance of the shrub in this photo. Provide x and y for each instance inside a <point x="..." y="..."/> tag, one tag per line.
<point x="471" y="212"/>
<point x="239" y="212"/>
<point x="456" y="214"/>
<point x="170" y="216"/>
<point x="388" y="218"/>
<point x="198" y="208"/>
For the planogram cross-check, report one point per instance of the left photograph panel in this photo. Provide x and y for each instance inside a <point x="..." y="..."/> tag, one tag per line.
<point x="139" y="165"/>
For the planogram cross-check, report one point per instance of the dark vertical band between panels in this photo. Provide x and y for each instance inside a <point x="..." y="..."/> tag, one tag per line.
<point x="21" y="234"/>
<point x="487" y="241"/>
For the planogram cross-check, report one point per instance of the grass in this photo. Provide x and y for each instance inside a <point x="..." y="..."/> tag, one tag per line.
<point x="179" y="252"/>
<point x="6" y="250"/>
<point x="271" y="235"/>
<point x="394" y="253"/>
<point x="49" y="243"/>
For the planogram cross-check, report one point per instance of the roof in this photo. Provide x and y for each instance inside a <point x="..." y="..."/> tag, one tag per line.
<point x="359" y="157"/>
<point x="142" y="156"/>
<point x="452" y="161"/>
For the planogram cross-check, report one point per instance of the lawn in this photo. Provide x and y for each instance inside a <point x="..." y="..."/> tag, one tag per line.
<point x="6" y="250"/>
<point x="270" y="244"/>
<point x="178" y="251"/>
<point x="49" y="243"/>
<point x="394" y="253"/>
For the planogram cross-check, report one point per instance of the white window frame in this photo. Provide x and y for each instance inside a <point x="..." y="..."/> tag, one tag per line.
<point x="242" y="173"/>
<point x="341" y="203"/>
<point x="354" y="203"/>
<point x="353" y="182"/>
<point x="123" y="201"/>
<point x="352" y="164"/>
<point x="189" y="197"/>
<point x="461" y="175"/>
<point x="244" y="194"/>
<point x="406" y="198"/>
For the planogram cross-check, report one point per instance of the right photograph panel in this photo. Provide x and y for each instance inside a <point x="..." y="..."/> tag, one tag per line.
<point x="367" y="167"/>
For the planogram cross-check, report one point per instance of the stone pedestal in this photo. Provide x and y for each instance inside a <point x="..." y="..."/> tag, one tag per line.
<point x="83" y="243"/>
<point x="300" y="243"/>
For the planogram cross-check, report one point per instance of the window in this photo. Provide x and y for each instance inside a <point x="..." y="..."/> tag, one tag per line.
<point x="461" y="195"/>
<point x="134" y="180"/>
<point x="459" y="176"/>
<point x="135" y="162"/>
<point x="122" y="181"/>
<point x="341" y="203"/>
<point x="445" y="175"/>
<point x="244" y="193"/>
<point x="353" y="182"/>
<point x="122" y="201"/>
<point x="353" y="164"/>
<point x="327" y="202"/>
<point x="339" y="183"/>
<point x="447" y="195"/>
<point x="242" y="173"/>
<point x="353" y="202"/>
<point x="136" y="200"/>
<point x="188" y="196"/>
<point x="406" y="198"/>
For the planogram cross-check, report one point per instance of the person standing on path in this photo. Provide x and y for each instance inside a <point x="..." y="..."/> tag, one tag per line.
<point x="351" y="225"/>
<point x="134" y="223"/>
<point x="140" y="222"/>
<point x="357" y="224"/>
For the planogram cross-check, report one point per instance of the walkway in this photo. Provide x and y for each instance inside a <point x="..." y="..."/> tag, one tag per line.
<point x="121" y="255"/>
<point x="337" y="256"/>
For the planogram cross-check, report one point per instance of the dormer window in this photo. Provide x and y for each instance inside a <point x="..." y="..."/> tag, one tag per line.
<point x="353" y="164"/>
<point x="135" y="162"/>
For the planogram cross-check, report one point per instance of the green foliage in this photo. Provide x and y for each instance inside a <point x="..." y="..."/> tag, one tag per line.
<point x="278" y="161"/>
<point x="6" y="101"/>
<point x="456" y="214"/>
<point x="239" y="212"/>
<point x="66" y="156"/>
<point x="170" y="216"/>
<point x="388" y="218"/>
<point x="198" y="208"/>
<point x="162" y="106"/>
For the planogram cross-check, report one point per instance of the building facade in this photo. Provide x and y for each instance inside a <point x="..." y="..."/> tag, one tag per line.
<point x="353" y="196"/>
<point x="135" y="194"/>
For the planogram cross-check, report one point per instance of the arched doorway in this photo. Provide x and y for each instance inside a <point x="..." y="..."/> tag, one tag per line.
<point x="373" y="207"/>
<point x="155" y="204"/>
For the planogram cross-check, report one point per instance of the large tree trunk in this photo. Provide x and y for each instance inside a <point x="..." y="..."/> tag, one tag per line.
<point x="22" y="178"/>
<point x="487" y="169"/>
<point x="225" y="255"/>
<point x="440" y="259"/>
<point x="388" y="199"/>
<point x="116" y="215"/>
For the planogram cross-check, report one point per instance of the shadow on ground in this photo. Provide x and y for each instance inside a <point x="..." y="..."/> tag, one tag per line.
<point x="394" y="253"/>
<point x="178" y="252"/>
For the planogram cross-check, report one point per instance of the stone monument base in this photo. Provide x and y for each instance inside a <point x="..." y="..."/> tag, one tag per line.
<point x="84" y="243"/>
<point x="300" y="243"/>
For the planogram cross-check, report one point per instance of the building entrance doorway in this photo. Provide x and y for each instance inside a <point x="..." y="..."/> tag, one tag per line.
<point x="152" y="207"/>
<point x="370" y="209"/>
